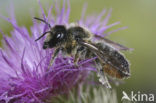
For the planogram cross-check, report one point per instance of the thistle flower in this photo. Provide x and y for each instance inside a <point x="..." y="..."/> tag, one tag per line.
<point x="23" y="63"/>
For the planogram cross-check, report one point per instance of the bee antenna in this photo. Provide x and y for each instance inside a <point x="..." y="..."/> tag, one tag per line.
<point x="42" y="35"/>
<point x="43" y="21"/>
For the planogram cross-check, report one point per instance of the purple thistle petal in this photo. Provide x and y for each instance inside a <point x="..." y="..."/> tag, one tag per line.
<point x="42" y="11"/>
<point x="44" y="17"/>
<point x="107" y="17"/>
<point x="83" y="13"/>
<point x="12" y="13"/>
<point x="101" y="30"/>
<point x="100" y="16"/>
<point x="50" y="17"/>
<point x="62" y="13"/>
<point x="96" y="24"/>
<point x="49" y="12"/>
<point x="57" y="7"/>
<point x="115" y="31"/>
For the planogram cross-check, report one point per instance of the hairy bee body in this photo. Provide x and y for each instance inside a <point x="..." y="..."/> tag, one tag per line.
<point x="71" y="46"/>
<point x="113" y="62"/>
<point x="77" y="41"/>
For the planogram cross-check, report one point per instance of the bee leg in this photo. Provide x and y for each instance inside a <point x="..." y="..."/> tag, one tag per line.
<point x="79" y="52"/>
<point x="76" y="58"/>
<point x="103" y="79"/>
<point x="53" y="57"/>
<point x="100" y="73"/>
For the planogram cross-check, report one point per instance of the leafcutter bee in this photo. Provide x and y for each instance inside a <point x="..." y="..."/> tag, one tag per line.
<point x="76" y="41"/>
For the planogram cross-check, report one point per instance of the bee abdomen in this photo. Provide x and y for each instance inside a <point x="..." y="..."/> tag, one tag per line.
<point x="114" y="63"/>
<point x="113" y="72"/>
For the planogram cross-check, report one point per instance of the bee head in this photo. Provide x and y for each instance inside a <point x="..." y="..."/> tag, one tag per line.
<point x="55" y="37"/>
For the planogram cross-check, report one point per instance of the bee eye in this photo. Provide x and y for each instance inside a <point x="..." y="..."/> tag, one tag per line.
<point x="60" y="35"/>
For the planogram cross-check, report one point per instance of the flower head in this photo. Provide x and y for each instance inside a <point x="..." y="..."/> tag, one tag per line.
<point x="23" y="62"/>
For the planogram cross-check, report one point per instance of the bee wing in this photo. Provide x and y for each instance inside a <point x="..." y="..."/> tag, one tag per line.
<point x="102" y="78"/>
<point x="114" y="44"/>
<point x="93" y="48"/>
<point x="115" y="67"/>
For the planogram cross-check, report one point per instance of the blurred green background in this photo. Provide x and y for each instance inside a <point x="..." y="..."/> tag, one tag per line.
<point x="138" y="15"/>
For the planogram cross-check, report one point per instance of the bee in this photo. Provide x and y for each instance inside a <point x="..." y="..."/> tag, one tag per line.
<point x="77" y="41"/>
